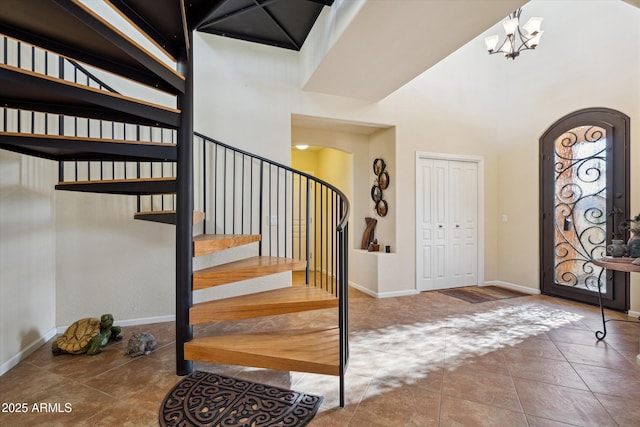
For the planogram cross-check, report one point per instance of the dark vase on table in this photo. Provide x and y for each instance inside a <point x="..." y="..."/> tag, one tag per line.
<point x="633" y="246"/>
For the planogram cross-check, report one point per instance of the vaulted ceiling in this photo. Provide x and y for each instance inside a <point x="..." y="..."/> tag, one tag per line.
<point x="388" y="43"/>
<point x="384" y="45"/>
<point x="367" y="52"/>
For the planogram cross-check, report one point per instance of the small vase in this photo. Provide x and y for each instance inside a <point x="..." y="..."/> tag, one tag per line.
<point x="633" y="246"/>
<point x="617" y="248"/>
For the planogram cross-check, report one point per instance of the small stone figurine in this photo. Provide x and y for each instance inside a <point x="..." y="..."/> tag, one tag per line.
<point x="633" y="245"/>
<point x="141" y="343"/>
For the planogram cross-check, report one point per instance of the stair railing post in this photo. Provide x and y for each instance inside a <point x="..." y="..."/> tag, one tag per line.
<point x="184" y="214"/>
<point x="343" y="319"/>
<point x="260" y="207"/>
<point x="306" y="233"/>
<point x="60" y="116"/>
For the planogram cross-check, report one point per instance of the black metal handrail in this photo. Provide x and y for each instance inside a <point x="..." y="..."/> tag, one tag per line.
<point x="243" y="193"/>
<point x="297" y="216"/>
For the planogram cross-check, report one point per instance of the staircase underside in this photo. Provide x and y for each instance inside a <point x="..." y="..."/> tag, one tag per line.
<point x="63" y="148"/>
<point x="26" y="90"/>
<point x="166" y="217"/>
<point x="137" y="186"/>
<point x="268" y="303"/>
<point x="73" y="30"/>
<point x="305" y="350"/>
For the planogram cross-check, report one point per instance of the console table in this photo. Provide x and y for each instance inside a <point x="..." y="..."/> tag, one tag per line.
<point x="617" y="264"/>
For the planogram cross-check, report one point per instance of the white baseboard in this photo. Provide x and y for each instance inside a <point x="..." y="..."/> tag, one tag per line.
<point x="394" y="294"/>
<point x="363" y="289"/>
<point x="26" y="352"/>
<point x="6" y="366"/>
<point x="132" y="322"/>
<point x="511" y="286"/>
<point x="526" y="290"/>
<point x="391" y="294"/>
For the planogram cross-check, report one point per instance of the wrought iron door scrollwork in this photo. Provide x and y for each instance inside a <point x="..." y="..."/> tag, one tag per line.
<point x="580" y="206"/>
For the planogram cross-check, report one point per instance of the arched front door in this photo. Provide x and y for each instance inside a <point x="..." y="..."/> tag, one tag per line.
<point x="584" y="196"/>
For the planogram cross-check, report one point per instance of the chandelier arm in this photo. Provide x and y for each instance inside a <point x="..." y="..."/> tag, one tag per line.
<point x="499" y="48"/>
<point x="524" y="41"/>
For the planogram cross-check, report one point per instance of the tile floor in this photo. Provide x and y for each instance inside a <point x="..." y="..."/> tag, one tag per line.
<point x="425" y="360"/>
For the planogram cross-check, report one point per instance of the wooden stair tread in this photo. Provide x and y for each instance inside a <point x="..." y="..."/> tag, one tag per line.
<point x="248" y="268"/>
<point x="166" y="217"/>
<point x="24" y="89"/>
<point x="268" y="303"/>
<point x="133" y="186"/>
<point x="63" y="147"/>
<point x="210" y="243"/>
<point x="66" y="138"/>
<point x="305" y="350"/>
<point x="106" y="181"/>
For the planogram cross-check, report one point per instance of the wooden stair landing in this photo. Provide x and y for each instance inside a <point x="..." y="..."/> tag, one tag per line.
<point x="245" y="269"/>
<point x="268" y="303"/>
<point x="304" y="350"/>
<point x="210" y="243"/>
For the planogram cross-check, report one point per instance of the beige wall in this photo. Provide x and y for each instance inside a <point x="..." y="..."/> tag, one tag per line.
<point x="27" y="255"/>
<point x="306" y="161"/>
<point x="107" y="262"/>
<point x="518" y="200"/>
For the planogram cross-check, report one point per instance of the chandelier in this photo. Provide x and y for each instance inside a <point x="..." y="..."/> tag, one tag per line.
<point x="517" y="39"/>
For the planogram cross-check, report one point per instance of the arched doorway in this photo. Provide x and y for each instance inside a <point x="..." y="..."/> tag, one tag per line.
<point x="584" y="196"/>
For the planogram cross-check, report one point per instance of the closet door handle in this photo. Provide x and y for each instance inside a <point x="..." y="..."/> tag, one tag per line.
<point x="457" y="225"/>
<point x="440" y="226"/>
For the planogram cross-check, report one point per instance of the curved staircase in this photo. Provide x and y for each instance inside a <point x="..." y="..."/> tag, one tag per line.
<point x="54" y="107"/>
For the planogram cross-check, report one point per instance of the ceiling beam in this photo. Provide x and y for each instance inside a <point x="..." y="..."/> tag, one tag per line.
<point x="209" y="20"/>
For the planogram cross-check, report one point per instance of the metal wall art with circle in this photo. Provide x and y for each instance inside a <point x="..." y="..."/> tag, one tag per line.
<point x="383" y="180"/>
<point x="380" y="183"/>
<point x="376" y="193"/>
<point x="378" y="166"/>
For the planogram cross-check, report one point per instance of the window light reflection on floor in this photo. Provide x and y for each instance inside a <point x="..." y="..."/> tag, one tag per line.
<point x="407" y="354"/>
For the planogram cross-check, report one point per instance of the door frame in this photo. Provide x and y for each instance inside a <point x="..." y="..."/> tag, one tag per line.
<point x="479" y="160"/>
<point x="618" y="122"/>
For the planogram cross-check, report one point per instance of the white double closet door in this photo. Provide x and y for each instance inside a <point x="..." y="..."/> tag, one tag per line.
<point x="447" y="224"/>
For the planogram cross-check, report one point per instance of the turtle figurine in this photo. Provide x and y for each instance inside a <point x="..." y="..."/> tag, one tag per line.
<point x="88" y="335"/>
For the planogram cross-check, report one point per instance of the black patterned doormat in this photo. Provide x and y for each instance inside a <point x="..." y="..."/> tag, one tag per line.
<point x="476" y="294"/>
<point x="206" y="399"/>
